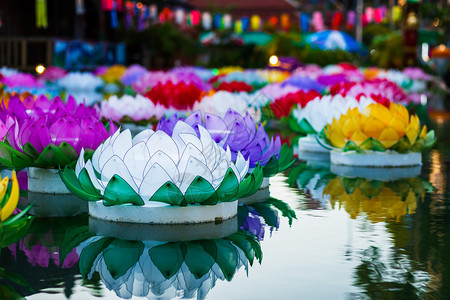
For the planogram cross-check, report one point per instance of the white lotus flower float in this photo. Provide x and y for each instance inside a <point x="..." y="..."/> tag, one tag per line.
<point x="155" y="170"/>
<point x="129" y="109"/>
<point x="80" y="81"/>
<point x="312" y="118"/>
<point x="219" y="103"/>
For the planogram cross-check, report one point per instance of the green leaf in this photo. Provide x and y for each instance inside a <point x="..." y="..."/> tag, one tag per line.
<point x="16" y="217"/>
<point x="52" y="156"/>
<point x="6" y="150"/>
<point x="246" y="185"/>
<point x="199" y="191"/>
<point x="121" y="255"/>
<point x="419" y="145"/>
<point x="118" y="191"/>
<point x="430" y="139"/>
<point x="167" y="258"/>
<point x="285" y="209"/>
<point x="68" y="151"/>
<point x="271" y="168"/>
<point x="244" y="244"/>
<point x="13" y="232"/>
<point x="228" y="189"/>
<point x="6" y="163"/>
<point x="198" y="260"/>
<point x="90" y="253"/>
<point x="351" y="146"/>
<point x="304" y="177"/>
<point x="286" y="158"/>
<point x="402" y="146"/>
<point x="29" y="149"/>
<point x="269" y="215"/>
<point x="306" y="128"/>
<point x="351" y="184"/>
<point x="20" y="163"/>
<point x="293" y="124"/>
<point x="70" y="179"/>
<point x="86" y="183"/>
<point x="168" y="193"/>
<point x="14" y="277"/>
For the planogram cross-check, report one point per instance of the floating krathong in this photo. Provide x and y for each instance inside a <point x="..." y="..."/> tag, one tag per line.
<point x="154" y="171"/>
<point x="312" y="118"/>
<point x="179" y="96"/>
<point x="283" y="105"/>
<point x="377" y="136"/>
<point x="242" y="137"/>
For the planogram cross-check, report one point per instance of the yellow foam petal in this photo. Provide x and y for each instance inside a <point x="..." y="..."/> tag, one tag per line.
<point x="350" y="126"/>
<point x="423" y="133"/>
<point x="398" y="125"/>
<point x="359" y="137"/>
<point x="388" y="137"/>
<point x="337" y="139"/>
<point x="11" y="204"/>
<point x="3" y="186"/>
<point x="381" y="113"/>
<point x="373" y="127"/>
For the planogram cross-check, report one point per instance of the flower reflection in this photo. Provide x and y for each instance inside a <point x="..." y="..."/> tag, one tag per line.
<point x="379" y="200"/>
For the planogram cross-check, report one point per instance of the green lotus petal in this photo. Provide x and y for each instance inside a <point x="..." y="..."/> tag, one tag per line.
<point x="19" y="162"/>
<point x="198" y="260"/>
<point x="121" y="255"/>
<point x="294" y="173"/>
<point x="430" y="140"/>
<point x="229" y="187"/>
<point x="286" y="158"/>
<point x="402" y="146"/>
<point x="70" y="180"/>
<point x="118" y="191"/>
<point x="86" y="183"/>
<point x="6" y="163"/>
<point x="29" y="149"/>
<point x="371" y="189"/>
<point x="90" y="253"/>
<point x="269" y="215"/>
<point x="68" y="150"/>
<point x="351" y="184"/>
<point x="306" y="127"/>
<point x="15" y="218"/>
<point x="293" y="124"/>
<point x="419" y="145"/>
<point x="372" y="144"/>
<point x="351" y="146"/>
<point x="169" y="193"/>
<point x="244" y="244"/>
<point x="258" y="180"/>
<point x="199" y="191"/>
<point x="246" y="185"/>
<point x="227" y="258"/>
<point x="73" y="238"/>
<point x="52" y="156"/>
<point x="271" y="168"/>
<point x="167" y="258"/>
<point x="285" y="209"/>
<point x="6" y="149"/>
<point x="16" y="278"/>
<point x="305" y="176"/>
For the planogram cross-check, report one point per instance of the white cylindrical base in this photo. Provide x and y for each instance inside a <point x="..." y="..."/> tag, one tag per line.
<point x="163" y="232"/>
<point x="260" y="196"/>
<point x="376" y="173"/>
<point x="46" y="181"/>
<point x="47" y="205"/>
<point x="376" y="159"/>
<point x="310" y="144"/>
<point x="164" y="214"/>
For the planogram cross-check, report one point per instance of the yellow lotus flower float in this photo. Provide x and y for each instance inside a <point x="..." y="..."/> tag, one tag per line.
<point x="379" y="200"/>
<point x="377" y="136"/>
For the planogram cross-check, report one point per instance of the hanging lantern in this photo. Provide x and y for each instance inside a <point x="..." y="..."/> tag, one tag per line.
<point x="179" y="16"/>
<point x="273" y="20"/>
<point x="255" y="22"/>
<point x="336" y="22"/>
<point x="397" y="13"/>
<point x="79" y="7"/>
<point x="364" y="20"/>
<point x="285" y="22"/>
<point x="370" y="14"/>
<point x="195" y="17"/>
<point x="227" y="21"/>
<point x="207" y="21"/>
<point x="304" y="22"/>
<point x="351" y="19"/>
<point x="245" y="23"/>
<point x="41" y="14"/>
<point x="165" y="15"/>
<point x="238" y="26"/>
<point x="106" y="5"/>
<point x="317" y="21"/>
<point x="153" y="12"/>
<point x="217" y="21"/>
<point x="378" y="17"/>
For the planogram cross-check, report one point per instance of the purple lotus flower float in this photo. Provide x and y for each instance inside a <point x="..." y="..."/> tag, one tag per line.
<point x="49" y="135"/>
<point x="240" y="134"/>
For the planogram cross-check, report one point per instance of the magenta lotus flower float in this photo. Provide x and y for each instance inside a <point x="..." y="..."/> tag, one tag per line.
<point x="241" y="136"/>
<point x="49" y="137"/>
<point x="157" y="177"/>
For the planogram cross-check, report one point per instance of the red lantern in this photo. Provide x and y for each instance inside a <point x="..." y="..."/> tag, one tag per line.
<point x="195" y="17"/>
<point x="337" y="20"/>
<point x="166" y="15"/>
<point x="273" y="21"/>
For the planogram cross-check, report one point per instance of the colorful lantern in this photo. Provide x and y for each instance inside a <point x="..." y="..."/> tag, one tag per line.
<point x="255" y="22"/>
<point x="317" y="21"/>
<point x="207" y="21"/>
<point x="285" y="22"/>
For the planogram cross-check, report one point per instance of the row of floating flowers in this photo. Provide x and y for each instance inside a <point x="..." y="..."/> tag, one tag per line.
<point x="215" y="154"/>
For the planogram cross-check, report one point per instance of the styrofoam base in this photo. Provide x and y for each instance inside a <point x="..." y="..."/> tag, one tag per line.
<point x="163" y="232"/>
<point x="314" y="156"/>
<point x="310" y="144"/>
<point x="46" y="205"/>
<point x="376" y="159"/>
<point x="260" y="196"/>
<point x="164" y="214"/>
<point x="46" y="181"/>
<point x="376" y="173"/>
<point x="135" y="129"/>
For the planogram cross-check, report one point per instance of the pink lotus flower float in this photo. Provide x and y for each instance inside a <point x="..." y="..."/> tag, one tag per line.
<point x="50" y="135"/>
<point x="241" y="136"/>
<point x="156" y="170"/>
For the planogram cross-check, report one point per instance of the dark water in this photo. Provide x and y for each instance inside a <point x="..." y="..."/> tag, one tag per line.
<point x="351" y="239"/>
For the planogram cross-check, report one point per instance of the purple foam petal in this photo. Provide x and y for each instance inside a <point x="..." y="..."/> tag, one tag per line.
<point x="69" y="131"/>
<point x="238" y="138"/>
<point x="216" y="127"/>
<point x="254" y="155"/>
<point x="250" y="126"/>
<point x="194" y="118"/>
<point x="268" y="153"/>
<point x="277" y="146"/>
